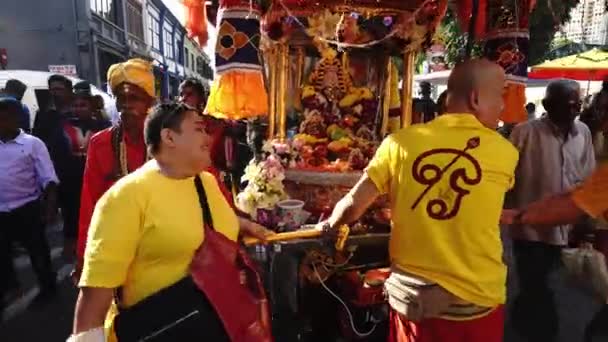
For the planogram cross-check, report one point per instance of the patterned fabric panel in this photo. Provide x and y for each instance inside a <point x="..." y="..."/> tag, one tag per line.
<point x="510" y="51"/>
<point x="238" y="41"/>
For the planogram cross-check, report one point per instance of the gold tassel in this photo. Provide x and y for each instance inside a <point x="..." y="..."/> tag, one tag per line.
<point x="386" y="102"/>
<point x="283" y="66"/>
<point x="407" y="88"/>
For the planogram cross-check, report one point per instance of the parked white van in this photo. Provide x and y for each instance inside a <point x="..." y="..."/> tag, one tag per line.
<point x="37" y="94"/>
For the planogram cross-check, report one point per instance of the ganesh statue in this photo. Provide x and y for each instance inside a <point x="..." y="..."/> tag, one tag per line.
<point x="338" y="128"/>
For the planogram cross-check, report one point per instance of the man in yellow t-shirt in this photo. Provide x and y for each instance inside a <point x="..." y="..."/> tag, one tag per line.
<point x="446" y="182"/>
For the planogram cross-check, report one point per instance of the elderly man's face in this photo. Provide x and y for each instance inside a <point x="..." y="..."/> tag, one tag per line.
<point x="564" y="105"/>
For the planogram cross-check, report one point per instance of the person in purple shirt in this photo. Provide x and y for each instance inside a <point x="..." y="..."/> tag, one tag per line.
<point x="27" y="201"/>
<point x="16" y="89"/>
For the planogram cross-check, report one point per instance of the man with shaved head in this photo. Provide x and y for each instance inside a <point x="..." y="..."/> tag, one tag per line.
<point x="446" y="182"/>
<point x="556" y="154"/>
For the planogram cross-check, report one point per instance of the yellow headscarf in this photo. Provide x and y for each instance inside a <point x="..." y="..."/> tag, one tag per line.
<point x="135" y="71"/>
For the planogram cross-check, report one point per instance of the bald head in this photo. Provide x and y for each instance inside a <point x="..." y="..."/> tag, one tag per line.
<point x="476" y="87"/>
<point x="470" y="75"/>
<point x="561" y="88"/>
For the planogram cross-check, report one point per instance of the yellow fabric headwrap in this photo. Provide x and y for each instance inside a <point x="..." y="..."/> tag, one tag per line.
<point x="135" y="71"/>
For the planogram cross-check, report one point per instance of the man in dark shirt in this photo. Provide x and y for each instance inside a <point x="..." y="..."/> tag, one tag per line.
<point x="49" y="126"/>
<point x="425" y="108"/>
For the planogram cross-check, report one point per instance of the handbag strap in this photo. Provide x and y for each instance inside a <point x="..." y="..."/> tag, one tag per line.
<point x="202" y="198"/>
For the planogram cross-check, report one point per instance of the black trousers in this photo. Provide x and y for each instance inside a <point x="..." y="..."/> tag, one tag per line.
<point x="534" y="310"/>
<point x="70" y="188"/>
<point x="597" y="330"/>
<point x="24" y="225"/>
<point x="69" y="198"/>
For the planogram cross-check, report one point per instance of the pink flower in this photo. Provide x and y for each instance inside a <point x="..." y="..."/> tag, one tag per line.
<point x="298" y="143"/>
<point x="273" y="162"/>
<point x="281" y="148"/>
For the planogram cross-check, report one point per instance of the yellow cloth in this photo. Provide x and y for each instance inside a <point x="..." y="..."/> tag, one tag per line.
<point x="135" y="71"/>
<point x="238" y="95"/>
<point x="394" y="124"/>
<point x="395" y="98"/>
<point x="592" y="195"/>
<point x="145" y="230"/>
<point x="463" y="253"/>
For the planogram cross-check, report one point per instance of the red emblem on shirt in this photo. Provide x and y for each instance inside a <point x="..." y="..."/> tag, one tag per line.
<point x="430" y="174"/>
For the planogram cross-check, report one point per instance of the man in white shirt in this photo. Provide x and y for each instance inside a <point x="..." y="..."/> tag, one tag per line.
<point x="556" y="154"/>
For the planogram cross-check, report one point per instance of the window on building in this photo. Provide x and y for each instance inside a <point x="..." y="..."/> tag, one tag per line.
<point x="168" y="38"/>
<point x="179" y="49"/>
<point x="135" y="22"/>
<point x="107" y="9"/>
<point x="154" y="27"/>
<point x="187" y="58"/>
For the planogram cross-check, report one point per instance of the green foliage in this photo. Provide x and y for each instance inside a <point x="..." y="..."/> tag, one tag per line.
<point x="559" y="42"/>
<point x="454" y="39"/>
<point x="545" y="20"/>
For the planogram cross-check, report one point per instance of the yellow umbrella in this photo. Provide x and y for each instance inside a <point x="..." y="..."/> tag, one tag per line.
<point x="591" y="65"/>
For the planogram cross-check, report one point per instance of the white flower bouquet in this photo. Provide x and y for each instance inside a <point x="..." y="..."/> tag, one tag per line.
<point x="264" y="185"/>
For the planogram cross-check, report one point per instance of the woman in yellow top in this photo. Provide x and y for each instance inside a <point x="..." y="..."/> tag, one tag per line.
<point x="147" y="227"/>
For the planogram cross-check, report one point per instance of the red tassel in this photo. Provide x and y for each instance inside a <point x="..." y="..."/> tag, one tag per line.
<point x="196" y="20"/>
<point x="465" y="7"/>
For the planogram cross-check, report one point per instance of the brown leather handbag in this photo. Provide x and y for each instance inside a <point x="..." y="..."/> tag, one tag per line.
<point x="231" y="282"/>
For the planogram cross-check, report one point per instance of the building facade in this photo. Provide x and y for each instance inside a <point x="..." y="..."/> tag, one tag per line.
<point x="165" y="37"/>
<point x="116" y="34"/>
<point x="196" y="62"/>
<point x="588" y="23"/>
<point x="37" y="35"/>
<point x="87" y="36"/>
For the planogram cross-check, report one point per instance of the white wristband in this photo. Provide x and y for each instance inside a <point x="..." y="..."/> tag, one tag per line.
<point x="93" y="335"/>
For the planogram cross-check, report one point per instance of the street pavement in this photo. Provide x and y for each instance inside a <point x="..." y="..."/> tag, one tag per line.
<point x="53" y="322"/>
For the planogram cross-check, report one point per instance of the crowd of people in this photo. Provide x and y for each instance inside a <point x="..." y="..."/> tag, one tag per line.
<point x="42" y="168"/>
<point x="73" y="155"/>
<point x="130" y="200"/>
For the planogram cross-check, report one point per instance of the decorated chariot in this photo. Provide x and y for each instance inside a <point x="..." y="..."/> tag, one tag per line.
<point x="322" y="82"/>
